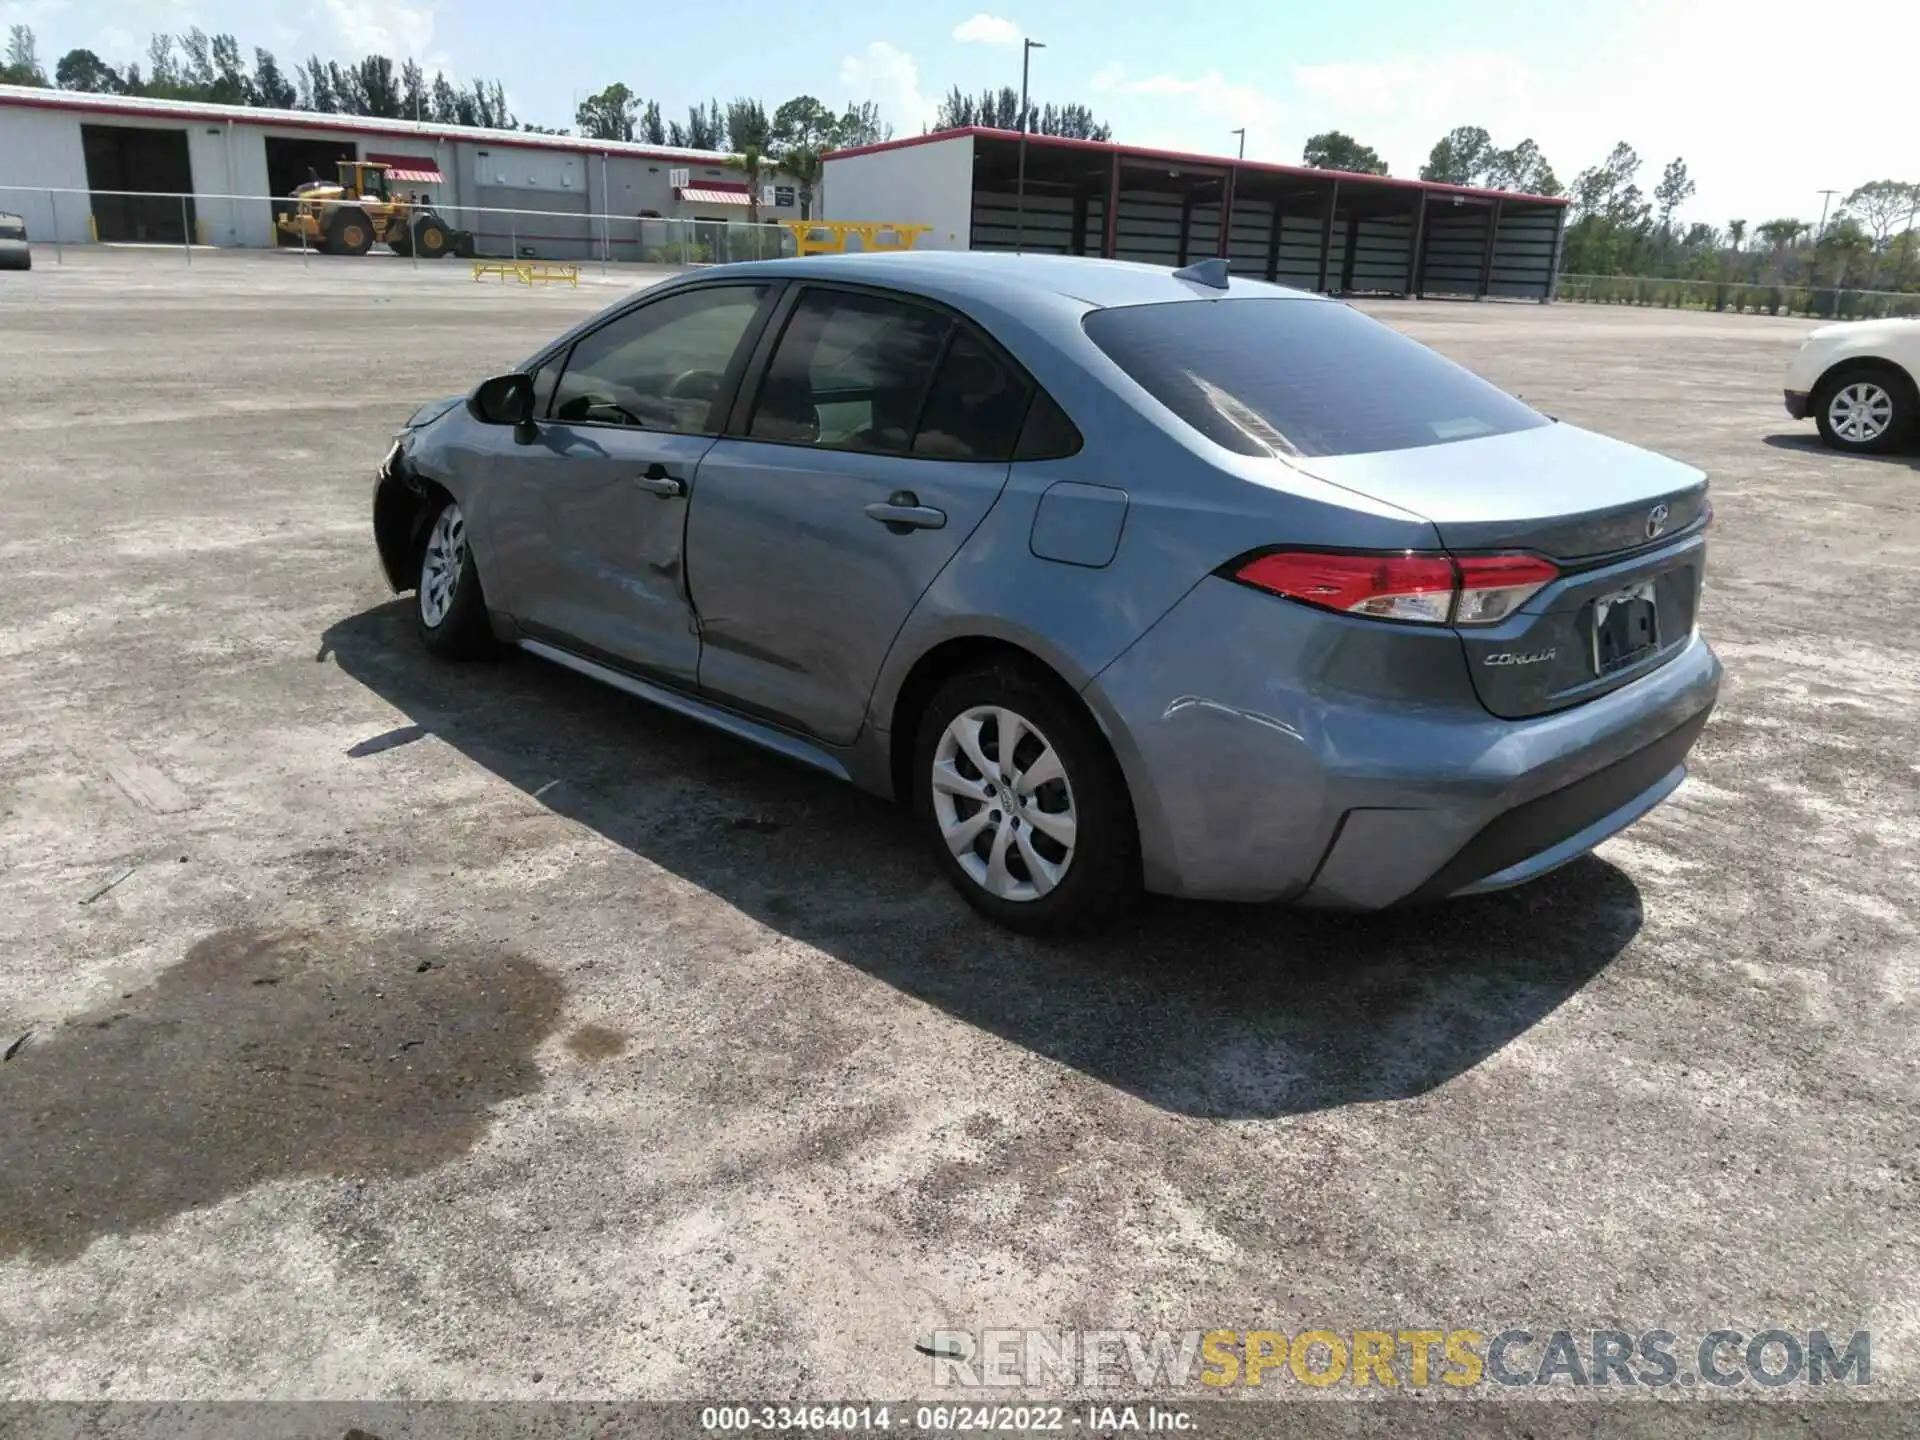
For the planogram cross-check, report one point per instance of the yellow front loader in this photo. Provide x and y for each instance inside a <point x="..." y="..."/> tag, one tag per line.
<point x="352" y="214"/>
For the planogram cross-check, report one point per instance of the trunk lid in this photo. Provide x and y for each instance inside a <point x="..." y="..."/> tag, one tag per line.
<point x="1623" y="525"/>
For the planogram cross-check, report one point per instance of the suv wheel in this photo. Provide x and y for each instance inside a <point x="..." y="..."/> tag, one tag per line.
<point x="1864" y="411"/>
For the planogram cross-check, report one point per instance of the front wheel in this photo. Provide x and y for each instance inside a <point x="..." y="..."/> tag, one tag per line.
<point x="1864" y="411"/>
<point x="350" y="232"/>
<point x="451" y="611"/>
<point x="1023" y="803"/>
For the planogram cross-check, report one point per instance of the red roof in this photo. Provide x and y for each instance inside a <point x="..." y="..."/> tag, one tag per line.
<point x="1179" y="157"/>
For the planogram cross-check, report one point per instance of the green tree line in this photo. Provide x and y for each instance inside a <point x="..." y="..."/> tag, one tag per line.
<point x="211" y="68"/>
<point x="1000" y="110"/>
<point x="1617" y="228"/>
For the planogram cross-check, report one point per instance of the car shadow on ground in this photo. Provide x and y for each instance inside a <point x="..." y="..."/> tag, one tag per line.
<point x="1203" y="1010"/>
<point x="1814" y="445"/>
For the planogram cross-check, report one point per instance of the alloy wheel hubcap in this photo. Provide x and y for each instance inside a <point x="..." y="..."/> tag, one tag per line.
<point x="1860" y="411"/>
<point x="1003" y="803"/>
<point x="440" y="567"/>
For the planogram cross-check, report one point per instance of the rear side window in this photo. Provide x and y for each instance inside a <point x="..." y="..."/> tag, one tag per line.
<point x="1301" y="377"/>
<point x="850" y="373"/>
<point x="1047" y="434"/>
<point x="974" y="410"/>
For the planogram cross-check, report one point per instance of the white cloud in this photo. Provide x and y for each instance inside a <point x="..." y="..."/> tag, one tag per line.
<point x="382" y="27"/>
<point x="985" y="29"/>
<point x="888" y="76"/>
<point x="1642" y="80"/>
<point x="1191" y="112"/>
<point x="1402" y="106"/>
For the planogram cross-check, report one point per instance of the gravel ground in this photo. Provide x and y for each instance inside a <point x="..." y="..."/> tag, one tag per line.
<point x="477" y="1032"/>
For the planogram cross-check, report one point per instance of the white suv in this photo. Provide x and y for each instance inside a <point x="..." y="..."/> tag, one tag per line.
<point x="1861" y="383"/>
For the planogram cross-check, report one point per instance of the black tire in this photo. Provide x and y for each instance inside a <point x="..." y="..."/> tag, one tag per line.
<point x="349" y="232"/>
<point x="451" y="617"/>
<point x="1858" y="393"/>
<point x="1101" y="876"/>
<point x="430" y="238"/>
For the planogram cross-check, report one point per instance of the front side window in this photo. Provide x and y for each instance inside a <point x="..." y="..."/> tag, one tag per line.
<point x="851" y="372"/>
<point x="1301" y="377"/>
<point x="661" y="366"/>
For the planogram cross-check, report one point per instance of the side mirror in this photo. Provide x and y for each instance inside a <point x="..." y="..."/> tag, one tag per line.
<point x="503" y="400"/>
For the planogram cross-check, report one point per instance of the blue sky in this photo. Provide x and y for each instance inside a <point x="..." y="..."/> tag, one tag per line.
<point x="1768" y="101"/>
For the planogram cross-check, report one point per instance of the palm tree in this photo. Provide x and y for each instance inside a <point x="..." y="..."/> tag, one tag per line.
<point x="752" y="163"/>
<point x="1780" y="235"/>
<point x="1846" y="242"/>
<point x="805" y="164"/>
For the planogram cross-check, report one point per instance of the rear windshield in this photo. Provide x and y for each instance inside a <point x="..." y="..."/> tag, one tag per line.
<point x="12" y="227"/>
<point x="1301" y="377"/>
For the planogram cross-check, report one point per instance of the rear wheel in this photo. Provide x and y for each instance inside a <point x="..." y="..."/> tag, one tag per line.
<point x="350" y="232"/>
<point x="1023" y="803"/>
<point x="1864" y="410"/>
<point x="451" y="609"/>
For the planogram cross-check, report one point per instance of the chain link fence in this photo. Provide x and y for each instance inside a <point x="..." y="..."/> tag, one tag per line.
<point x="57" y="218"/>
<point x="1739" y="297"/>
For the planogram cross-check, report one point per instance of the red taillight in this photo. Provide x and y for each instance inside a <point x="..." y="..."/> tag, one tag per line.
<point x="1425" y="589"/>
<point x="1389" y="587"/>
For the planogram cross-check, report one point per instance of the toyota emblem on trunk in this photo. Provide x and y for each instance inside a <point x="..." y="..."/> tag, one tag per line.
<point x="1657" y="521"/>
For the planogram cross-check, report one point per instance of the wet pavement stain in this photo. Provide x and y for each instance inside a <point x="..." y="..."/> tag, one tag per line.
<point x="262" y="1055"/>
<point x="596" y="1042"/>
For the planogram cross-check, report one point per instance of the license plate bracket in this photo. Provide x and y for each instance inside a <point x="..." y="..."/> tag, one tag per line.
<point x="1626" y="627"/>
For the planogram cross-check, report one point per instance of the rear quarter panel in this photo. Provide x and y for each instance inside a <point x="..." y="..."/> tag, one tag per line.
<point x="1190" y="507"/>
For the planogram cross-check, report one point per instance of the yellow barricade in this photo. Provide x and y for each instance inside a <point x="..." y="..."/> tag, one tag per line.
<point x="829" y="237"/>
<point x="529" y="272"/>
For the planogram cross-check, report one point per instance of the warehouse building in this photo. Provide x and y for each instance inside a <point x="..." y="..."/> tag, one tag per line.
<point x="1316" y="229"/>
<point x="112" y="168"/>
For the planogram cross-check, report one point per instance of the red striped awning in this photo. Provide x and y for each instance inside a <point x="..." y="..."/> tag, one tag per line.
<point x="415" y="169"/>
<point x="714" y="194"/>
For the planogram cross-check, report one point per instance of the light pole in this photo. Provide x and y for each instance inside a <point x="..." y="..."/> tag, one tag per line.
<point x="1027" y="47"/>
<point x="1826" y="199"/>
<point x="1242" y="133"/>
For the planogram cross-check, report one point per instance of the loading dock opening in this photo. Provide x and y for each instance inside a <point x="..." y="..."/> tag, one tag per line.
<point x="130" y="158"/>
<point x="291" y="163"/>
<point x="1316" y="229"/>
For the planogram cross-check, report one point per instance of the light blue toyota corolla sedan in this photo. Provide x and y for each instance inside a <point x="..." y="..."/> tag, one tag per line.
<point x="1122" y="577"/>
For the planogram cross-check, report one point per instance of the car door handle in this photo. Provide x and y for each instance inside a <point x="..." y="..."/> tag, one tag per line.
<point x="656" y="481"/>
<point x="903" y="512"/>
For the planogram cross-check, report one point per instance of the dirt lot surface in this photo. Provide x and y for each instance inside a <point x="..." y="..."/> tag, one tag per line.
<point x="475" y="1031"/>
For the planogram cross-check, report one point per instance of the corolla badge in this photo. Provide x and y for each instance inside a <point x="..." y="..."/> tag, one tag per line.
<point x="1657" y="521"/>
<point x="1519" y="657"/>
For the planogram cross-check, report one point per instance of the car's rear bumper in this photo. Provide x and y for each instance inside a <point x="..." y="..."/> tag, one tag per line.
<point x="1799" y="404"/>
<point x="1266" y="765"/>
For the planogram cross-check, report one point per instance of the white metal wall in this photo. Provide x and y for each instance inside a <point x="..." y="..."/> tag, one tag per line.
<point x="929" y="184"/>
<point x="40" y="149"/>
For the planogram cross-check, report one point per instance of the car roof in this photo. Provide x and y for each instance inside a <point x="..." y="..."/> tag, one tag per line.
<point x="988" y="275"/>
